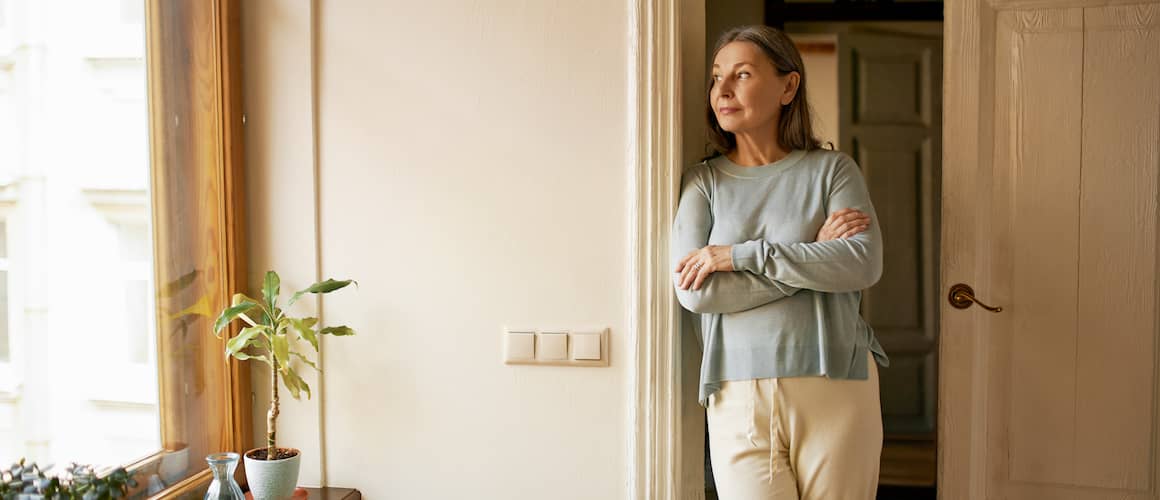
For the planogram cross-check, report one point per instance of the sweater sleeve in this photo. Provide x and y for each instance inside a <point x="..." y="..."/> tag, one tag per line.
<point x="841" y="265"/>
<point x="721" y="292"/>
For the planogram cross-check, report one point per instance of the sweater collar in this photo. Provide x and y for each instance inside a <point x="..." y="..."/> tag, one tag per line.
<point x="724" y="163"/>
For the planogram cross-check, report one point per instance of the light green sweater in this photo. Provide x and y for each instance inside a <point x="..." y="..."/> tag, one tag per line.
<point x="790" y="308"/>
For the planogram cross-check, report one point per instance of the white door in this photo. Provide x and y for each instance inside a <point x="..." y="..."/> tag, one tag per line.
<point x="1050" y="171"/>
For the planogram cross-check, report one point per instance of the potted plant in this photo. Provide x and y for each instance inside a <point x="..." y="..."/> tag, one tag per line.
<point x="78" y="482"/>
<point x="272" y="472"/>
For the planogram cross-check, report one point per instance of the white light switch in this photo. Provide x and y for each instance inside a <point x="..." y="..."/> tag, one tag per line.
<point x="520" y="346"/>
<point x="586" y="346"/>
<point x="552" y="346"/>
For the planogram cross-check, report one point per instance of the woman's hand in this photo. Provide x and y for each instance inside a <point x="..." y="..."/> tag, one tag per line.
<point x="843" y="224"/>
<point x="699" y="264"/>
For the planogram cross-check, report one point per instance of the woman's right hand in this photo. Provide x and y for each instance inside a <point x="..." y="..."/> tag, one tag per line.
<point x="843" y="224"/>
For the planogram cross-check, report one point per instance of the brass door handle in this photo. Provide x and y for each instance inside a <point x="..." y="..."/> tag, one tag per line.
<point x="962" y="296"/>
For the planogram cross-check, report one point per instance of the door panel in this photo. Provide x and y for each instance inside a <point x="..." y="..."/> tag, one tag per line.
<point x="891" y="122"/>
<point x="1117" y="283"/>
<point x="1066" y="97"/>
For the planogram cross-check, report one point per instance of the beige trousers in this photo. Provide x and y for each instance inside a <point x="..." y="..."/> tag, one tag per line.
<point x="808" y="438"/>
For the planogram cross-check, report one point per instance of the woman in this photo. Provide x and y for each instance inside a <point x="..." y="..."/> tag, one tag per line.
<point x="774" y="239"/>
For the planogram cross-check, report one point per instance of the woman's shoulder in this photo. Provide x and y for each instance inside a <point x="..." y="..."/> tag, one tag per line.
<point x="706" y="163"/>
<point x="832" y="164"/>
<point x="701" y="171"/>
<point x="829" y="157"/>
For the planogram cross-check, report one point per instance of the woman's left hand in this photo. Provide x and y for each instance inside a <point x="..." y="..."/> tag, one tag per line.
<point x="699" y="264"/>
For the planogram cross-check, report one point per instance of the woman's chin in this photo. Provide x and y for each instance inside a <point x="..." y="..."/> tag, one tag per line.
<point x="731" y="125"/>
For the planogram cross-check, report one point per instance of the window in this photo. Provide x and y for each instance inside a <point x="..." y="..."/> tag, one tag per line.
<point x="7" y="134"/>
<point x="5" y="350"/>
<point x="79" y="190"/>
<point x="137" y="274"/>
<point x="9" y="330"/>
<point x="120" y="238"/>
<point x="195" y="110"/>
<point x="132" y="11"/>
<point x="10" y="134"/>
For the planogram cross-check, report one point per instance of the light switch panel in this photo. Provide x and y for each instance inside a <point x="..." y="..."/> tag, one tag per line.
<point x="520" y="346"/>
<point x="586" y="346"/>
<point x="552" y="346"/>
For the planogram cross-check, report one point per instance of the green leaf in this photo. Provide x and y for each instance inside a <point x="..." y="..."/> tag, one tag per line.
<point x="290" y="384"/>
<point x="326" y="286"/>
<point x="229" y="314"/>
<point x="274" y="313"/>
<point x="244" y="339"/>
<point x="304" y="360"/>
<point x="305" y="329"/>
<point x="270" y="289"/>
<point x="238" y="298"/>
<point x="265" y="358"/>
<point x="337" y="331"/>
<point x="281" y="349"/>
<point x="295" y="383"/>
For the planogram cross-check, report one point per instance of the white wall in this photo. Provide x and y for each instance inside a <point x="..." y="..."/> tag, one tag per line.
<point x="473" y="173"/>
<point x="280" y="188"/>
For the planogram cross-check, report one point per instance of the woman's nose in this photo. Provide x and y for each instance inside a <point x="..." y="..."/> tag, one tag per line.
<point x="725" y="89"/>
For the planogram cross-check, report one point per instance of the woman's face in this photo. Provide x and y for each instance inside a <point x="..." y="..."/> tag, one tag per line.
<point x="747" y="92"/>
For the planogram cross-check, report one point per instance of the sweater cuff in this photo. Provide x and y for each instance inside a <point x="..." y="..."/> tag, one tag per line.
<point x="746" y="256"/>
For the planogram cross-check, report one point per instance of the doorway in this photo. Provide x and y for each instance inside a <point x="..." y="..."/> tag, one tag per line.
<point x="874" y="80"/>
<point x="1049" y="214"/>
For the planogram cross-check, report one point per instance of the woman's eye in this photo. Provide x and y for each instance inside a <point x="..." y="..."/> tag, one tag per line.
<point x="716" y="78"/>
<point x="743" y="75"/>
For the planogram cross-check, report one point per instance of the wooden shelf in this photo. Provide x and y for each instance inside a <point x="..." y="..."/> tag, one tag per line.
<point x="333" y="494"/>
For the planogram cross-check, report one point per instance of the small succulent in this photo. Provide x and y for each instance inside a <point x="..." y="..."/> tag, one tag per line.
<point x="79" y="482"/>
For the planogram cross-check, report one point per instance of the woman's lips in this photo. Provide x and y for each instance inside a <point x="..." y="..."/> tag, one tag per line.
<point x="726" y="111"/>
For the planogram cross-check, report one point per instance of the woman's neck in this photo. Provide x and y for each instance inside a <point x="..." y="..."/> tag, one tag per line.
<point x="754" y="150"/>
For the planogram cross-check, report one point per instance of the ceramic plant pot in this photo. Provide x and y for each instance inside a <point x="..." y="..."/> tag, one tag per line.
<point x="272" y="479"/>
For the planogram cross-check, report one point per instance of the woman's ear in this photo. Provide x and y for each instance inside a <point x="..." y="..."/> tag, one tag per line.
<point x="792" y="81"/>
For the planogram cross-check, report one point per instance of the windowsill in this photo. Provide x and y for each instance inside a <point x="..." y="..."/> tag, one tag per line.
<point x="122" y="403"/>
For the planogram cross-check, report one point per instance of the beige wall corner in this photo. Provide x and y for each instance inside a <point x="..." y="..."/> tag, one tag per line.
<point x="280" y="194"/>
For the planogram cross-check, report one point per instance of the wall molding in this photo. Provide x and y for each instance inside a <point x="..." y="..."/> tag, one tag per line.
<point x="316" y="173"/>
<point x="655" y="440"/>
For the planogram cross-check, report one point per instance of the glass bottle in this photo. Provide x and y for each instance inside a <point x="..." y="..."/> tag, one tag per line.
<point x="223" y="486"/>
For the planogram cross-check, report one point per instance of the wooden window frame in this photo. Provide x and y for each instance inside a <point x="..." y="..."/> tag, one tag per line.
<point x="206" y="50"/>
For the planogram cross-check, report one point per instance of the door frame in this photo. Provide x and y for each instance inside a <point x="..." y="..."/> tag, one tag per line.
<point x="657" y="465"/>
<point x="655" y="440"/>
